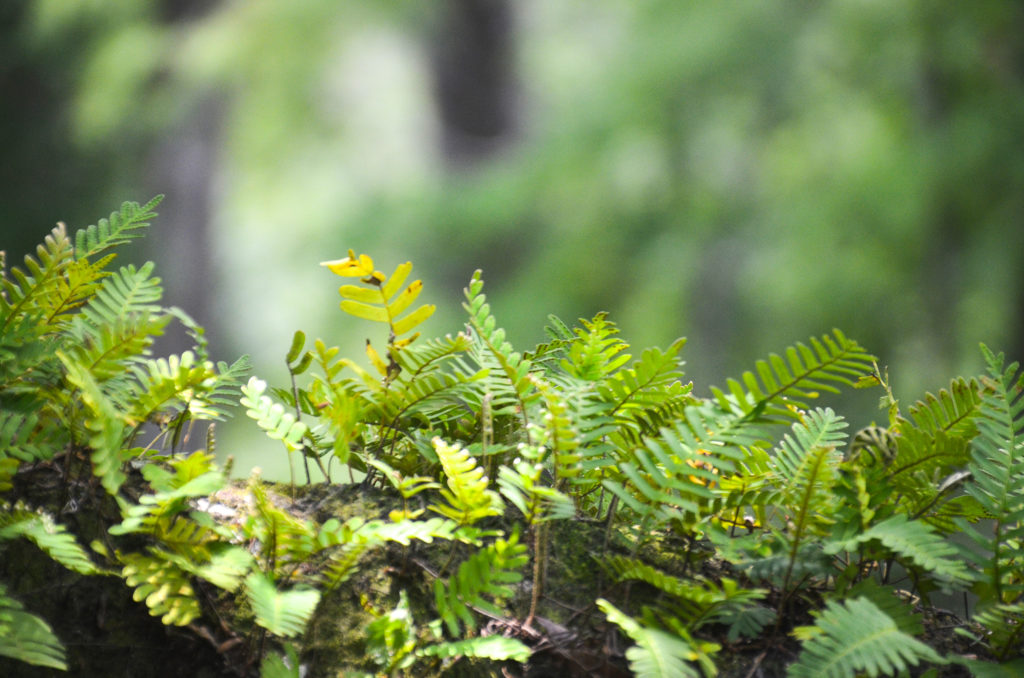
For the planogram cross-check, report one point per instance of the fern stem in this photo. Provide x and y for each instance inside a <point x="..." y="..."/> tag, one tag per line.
<point x="539" y="564"/>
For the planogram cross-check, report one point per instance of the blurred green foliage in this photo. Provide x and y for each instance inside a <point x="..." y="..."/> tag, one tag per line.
<point x="739" y="173"/>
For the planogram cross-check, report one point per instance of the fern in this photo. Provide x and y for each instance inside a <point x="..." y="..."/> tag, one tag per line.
<point x="51" y="537"/>
<point x="856" y="637"/>
<point x="467" y="493"/>
<point x="657" y="654"/>
<point x="913" y="542"/>
<point x="165" y="587"/>
<point x="484" y="577"/>
<point x="597" y="352"/>
<point x="806" y="464"/>
<point x="516" y="391"/>
<point x="283" y="613"/>
<point x="952" y="411"/>
<point x="781" y="386"/>
<point x="270" y="416"/>
<point x="670" y="477"/>
<point x="24" y="294"/>
<point x="698" y="602"/>
<point x="382" y="300"/>
<point x="105" y="425"/>
<point x="26" y="637"/>
<point x="122" y="227"/>
<point x="25" y="437"/>
<point x="997" y="484"/>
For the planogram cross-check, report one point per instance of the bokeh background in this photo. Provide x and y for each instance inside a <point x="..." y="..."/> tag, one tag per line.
<point x="745" y="174"/>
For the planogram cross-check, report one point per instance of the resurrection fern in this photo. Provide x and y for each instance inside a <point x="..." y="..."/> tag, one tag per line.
<point x="670" y="478"/>
<point x="854" y="638"/>
<point x="122" y="227"/>
<point x="50" y="536"/>
<point x="283" y="613"/>
<point x="781" y="385"/>
<point x="915" y="544"/>
<point x="466" y="491"/>
<point x="481" y="581"/>
<point x="997" y="484"/>
<point x="740" y="513"/>
<point x="272" y="417"/>
<point x="657" y="653"/>
<point x="26" y="637"/>
<point x="514" y="391"/>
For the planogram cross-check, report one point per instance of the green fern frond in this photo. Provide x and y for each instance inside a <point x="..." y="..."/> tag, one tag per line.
<point x="283" y="539"/>
<point x="596" y="352"/>
<point x="50" y="536"/>
<point x="698" y="602"/>
<point x="165" y="587"/>
<point x="79" y="283"/>
<point x="952" y="411"/>
<point x="912" y="541"/>
<point x="781" y="386"/>
<point x="26" y="637"/>
<point x="523" y="486"/>
<point x="283" y="613"/>
<point x="854" y="638"/>
<point x="24" y="437"/>
<point x="651" y="380"/>
<point x="105" y="424"/>
<point x="270" y="416"/>
<point x="548" y="354"/>
<point x="127" y="291"/>
<point x="166" y="513"/>
<point x="1005" y="634"/>
<point x="184" y="384"/>
<point x="561" y="435"/>
<point x="516" y="391"/>
<point x="24" y="294"/>
<point x="822" y="430"/>
<point x="672" y="475"/>
<point x="657" y="654"/>
<point x="997" y="481"/>
<point x="122" y="227"/>
<point x="484" y="577"/>
<point x="467" y="493"/>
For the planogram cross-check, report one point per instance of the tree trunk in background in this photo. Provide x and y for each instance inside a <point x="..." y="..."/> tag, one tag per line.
<point x="473" y="75"/>
<point x="183" y="166"/>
